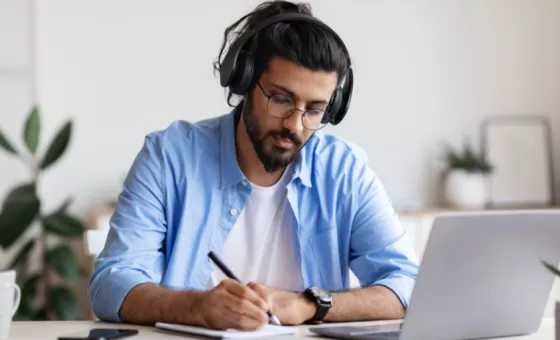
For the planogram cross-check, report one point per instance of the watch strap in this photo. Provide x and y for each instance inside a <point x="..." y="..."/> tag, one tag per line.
<point x="322" y="309"/>
<point x="321" y="313"/>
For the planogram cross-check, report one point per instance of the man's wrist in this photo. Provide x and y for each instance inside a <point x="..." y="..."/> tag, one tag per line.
<point x="307" y="307"/>
<point x="183" y="307"/>
<point x="148" y="303"/>
<point x="195" y="300"/>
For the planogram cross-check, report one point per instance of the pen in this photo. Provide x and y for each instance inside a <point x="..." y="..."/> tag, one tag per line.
<point x="229" y="274"/>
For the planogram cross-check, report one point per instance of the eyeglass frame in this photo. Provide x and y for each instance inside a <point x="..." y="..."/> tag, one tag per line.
<point x="269" y="96"/>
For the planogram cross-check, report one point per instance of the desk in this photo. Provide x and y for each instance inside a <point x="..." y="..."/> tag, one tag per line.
<point x="50" y="330"/>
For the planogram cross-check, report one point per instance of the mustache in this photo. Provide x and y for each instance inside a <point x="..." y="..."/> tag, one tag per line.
<point x="286" y="134"/>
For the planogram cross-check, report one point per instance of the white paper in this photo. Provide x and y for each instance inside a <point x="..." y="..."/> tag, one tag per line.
<point x="267" y="330"/>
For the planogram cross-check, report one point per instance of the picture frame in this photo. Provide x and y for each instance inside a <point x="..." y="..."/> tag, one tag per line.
<point x="520" y="150"/>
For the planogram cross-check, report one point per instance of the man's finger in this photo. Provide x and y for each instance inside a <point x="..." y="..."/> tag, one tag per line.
<point x="232" y="319"/>
<point x="261" y="291"/>
<point x="246" y="293"/>
<point x="247" y="322"/>
<point x="244" y="307"/>
<point x="242" y="314"/>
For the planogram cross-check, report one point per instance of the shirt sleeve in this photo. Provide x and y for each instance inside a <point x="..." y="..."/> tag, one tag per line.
<point x="133" y="251"/>
<point x="380" y="250"/>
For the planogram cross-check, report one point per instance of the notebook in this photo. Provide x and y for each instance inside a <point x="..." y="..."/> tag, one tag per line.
<point x="266" y="331"/>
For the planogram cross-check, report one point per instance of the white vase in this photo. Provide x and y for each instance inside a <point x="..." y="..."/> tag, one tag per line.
<point x="466" y="190"/>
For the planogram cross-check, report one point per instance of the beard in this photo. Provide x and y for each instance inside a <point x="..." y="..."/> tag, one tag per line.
<point x="275" y="158"/>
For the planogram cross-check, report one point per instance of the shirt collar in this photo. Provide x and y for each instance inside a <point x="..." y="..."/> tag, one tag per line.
<point x="302" y="170"/>
<point x="231" y="174"/>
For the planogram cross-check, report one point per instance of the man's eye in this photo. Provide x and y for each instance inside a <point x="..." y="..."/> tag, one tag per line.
<point x="315" y="112"/>
<point x="278" y="99"/>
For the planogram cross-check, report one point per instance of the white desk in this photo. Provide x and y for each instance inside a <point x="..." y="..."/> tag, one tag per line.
<point x="50" y="330"/>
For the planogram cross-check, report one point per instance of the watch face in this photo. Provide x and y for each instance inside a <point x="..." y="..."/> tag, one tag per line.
<point x="322" y="295"/>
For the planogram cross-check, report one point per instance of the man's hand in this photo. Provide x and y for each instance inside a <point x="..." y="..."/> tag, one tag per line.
<point x="291" y="308"/>
<point x="232" y="305"/>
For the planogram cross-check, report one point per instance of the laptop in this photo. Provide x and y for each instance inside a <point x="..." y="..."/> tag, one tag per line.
<point x="481" y="276"/>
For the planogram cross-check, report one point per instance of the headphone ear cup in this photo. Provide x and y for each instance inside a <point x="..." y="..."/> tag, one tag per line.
<point x="243" y="77"/>
<point x="345" y="96"/>
<point x="334" y="105"/>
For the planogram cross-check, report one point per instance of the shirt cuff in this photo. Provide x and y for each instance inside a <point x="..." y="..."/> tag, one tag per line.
<point x="111" y="291"/>
<point x="401" y="285"/>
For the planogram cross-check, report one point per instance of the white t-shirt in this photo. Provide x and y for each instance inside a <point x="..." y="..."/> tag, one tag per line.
<point x="260" y="246"/>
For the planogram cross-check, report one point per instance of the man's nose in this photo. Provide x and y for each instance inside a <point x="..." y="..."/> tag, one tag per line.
<point x="294" y="122"/>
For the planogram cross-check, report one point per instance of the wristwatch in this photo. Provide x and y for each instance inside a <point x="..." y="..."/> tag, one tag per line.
<point x="322" y="299"/>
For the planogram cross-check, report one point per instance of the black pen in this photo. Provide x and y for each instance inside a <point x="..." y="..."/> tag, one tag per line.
<point x="229" y="274"/>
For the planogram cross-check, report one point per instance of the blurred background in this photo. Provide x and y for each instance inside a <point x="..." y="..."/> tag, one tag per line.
<point x="429" y="75"/>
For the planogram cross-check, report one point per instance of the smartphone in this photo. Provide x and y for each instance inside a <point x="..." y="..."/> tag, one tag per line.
<point x="100" y="334"/>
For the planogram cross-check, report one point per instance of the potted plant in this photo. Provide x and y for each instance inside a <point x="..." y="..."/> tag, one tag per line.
<point x="465" y="184"/>
<point x="22" y="209"/>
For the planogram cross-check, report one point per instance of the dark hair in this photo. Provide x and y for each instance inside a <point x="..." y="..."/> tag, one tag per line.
<point x="303" y="43"/>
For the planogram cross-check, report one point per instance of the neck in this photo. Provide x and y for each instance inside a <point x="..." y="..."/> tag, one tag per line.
<point x="249" y="161"/>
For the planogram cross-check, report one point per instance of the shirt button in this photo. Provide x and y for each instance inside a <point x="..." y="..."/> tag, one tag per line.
<point x="233" y="212"/>
<point x="244" y="182"/>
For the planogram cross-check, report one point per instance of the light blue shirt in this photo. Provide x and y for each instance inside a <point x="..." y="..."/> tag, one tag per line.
<point x="182" y="194"/>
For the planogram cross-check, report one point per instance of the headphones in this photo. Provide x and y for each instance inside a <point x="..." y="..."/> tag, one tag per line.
<point x="237" y="70"/>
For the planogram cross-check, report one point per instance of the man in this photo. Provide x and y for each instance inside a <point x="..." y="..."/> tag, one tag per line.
<point x="288" y="209"/>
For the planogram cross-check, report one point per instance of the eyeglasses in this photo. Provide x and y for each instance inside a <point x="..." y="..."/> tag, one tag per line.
<point x="283" y="106"/>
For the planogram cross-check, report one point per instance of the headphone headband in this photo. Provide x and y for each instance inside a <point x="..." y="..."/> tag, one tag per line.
<point x="299" y="17"/>
<point x="237" y="68"/>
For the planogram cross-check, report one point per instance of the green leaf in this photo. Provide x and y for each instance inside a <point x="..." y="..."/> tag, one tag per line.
<point x="26" y="309"/>
<point x="6" y="145"/>
<point x="19" y="210"/>
<point x="467" y="159"/>
<point x="41" y="315"/>
<point x="22" y="314"/>
<point x="64" y="206"/>
<point x="29" y="294"/>
<point x="64" y="225"/>
<point x="61" y="259"/>
<point x="552" y="268"/>
<point x="20" y="260"/>
<point x="21" y="194"/>
<point x="64" y="304"/>
<point x="32" y="130"/>
<point x="57" y="146"/>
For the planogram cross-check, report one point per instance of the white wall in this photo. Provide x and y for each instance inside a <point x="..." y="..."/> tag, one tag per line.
<point x="426" y="71"/>
<point x="16" y="81"/>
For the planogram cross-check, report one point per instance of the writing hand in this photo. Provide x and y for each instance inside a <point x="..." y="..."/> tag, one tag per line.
<point x="232" y="305"/>
<point x="291" y="308"/>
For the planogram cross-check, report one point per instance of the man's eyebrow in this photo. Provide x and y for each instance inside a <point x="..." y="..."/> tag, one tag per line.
<point x="291" y="93"/>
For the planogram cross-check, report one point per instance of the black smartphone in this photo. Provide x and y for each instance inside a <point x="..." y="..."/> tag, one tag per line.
<point x="100" y="334"/>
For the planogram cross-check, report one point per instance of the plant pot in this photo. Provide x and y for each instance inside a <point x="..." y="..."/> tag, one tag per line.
<point x="466" y="190"/>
